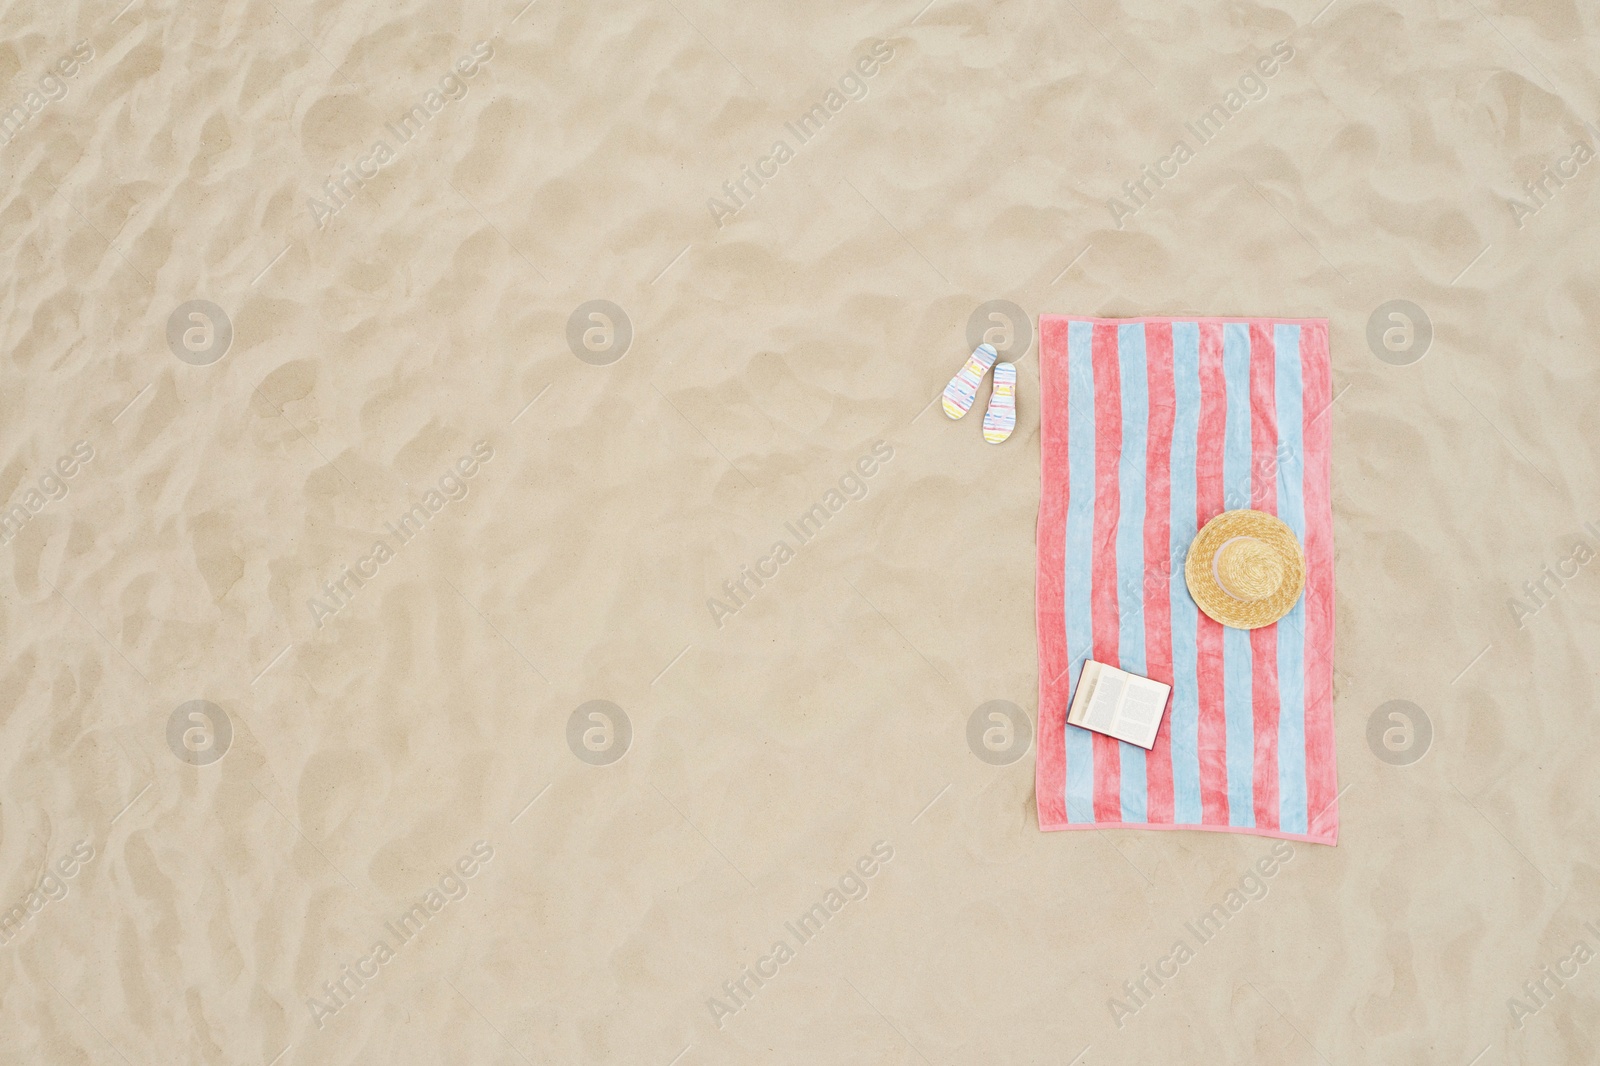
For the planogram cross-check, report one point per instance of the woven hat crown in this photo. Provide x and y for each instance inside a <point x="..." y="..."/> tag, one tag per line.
<point x="1248" y="569"/>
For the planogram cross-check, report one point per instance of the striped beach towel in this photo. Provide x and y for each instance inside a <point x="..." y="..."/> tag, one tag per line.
<point x="1152" y="427"/>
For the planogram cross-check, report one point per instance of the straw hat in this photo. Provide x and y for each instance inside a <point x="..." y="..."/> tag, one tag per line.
<point x="1245" y="569"/>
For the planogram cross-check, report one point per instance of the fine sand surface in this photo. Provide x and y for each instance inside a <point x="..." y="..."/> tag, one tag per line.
<point x="407" y="744"/>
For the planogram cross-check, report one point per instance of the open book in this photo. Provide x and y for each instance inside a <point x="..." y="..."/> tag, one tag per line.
<point x="1118" y="704"/>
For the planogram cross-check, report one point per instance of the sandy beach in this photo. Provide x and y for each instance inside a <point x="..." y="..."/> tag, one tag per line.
<point x="487" y="577"/>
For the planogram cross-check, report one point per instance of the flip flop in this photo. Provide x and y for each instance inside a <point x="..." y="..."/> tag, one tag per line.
<point x="1001" y="418"/>
<point x="963" y="388"/>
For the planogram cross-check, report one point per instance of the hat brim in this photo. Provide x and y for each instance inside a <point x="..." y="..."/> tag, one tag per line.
<point x="1211" y="598"/>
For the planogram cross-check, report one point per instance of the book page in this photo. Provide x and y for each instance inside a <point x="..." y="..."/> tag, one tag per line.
<point x="1140" y="714"/>
<point x="1085" y="690"/>
<point x="1101" y="714"/>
